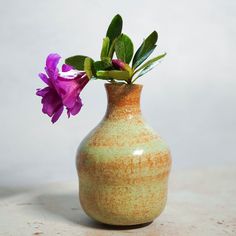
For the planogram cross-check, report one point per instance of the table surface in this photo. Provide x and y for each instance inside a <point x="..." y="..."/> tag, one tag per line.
<point x="200" y="202"/>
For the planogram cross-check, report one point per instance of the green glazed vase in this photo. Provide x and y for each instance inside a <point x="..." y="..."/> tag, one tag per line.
<point x="123" y="165"/>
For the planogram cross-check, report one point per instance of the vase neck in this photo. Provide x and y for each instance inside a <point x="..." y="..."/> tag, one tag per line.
<point x="123" y="101"/>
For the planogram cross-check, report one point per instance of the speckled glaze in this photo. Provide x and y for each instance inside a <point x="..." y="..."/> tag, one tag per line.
<point x="123" y="166"/>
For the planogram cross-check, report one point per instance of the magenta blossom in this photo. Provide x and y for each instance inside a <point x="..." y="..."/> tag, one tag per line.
<point x="63" y="88"/>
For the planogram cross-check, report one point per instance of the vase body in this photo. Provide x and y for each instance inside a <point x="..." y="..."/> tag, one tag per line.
<point x="123" y="166"/>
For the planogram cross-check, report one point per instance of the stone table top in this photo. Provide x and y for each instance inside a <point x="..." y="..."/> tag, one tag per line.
<point x="200" y="202"/>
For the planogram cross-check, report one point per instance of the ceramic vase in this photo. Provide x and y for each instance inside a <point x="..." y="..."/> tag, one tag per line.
<point x="123" y="165"/>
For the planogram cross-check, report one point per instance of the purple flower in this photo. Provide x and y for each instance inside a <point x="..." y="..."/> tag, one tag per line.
<point x="63" y="88"/>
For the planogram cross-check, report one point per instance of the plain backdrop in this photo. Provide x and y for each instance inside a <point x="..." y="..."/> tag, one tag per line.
<point x="189" y="99"/>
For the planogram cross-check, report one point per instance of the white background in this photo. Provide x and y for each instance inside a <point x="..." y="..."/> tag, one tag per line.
<point x="190" y="98"/>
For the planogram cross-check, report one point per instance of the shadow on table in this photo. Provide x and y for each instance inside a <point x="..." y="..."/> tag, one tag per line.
<point x="68" y="207"/>
<point x="6" y="192"/>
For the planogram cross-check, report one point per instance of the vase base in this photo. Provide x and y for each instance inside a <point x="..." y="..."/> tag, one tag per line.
<point x="122" y="227"/>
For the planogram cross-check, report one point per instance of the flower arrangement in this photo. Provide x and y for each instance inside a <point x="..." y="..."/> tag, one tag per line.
<point x="64" y="86"/>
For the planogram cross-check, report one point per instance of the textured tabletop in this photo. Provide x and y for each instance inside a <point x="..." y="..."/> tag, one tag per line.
<point x="200" y="202"/>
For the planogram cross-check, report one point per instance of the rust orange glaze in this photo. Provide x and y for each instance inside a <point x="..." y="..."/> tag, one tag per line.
<point x="123" y="166"/>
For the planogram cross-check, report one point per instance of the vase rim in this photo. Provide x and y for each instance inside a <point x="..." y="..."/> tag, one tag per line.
<point x="123" y="84"/>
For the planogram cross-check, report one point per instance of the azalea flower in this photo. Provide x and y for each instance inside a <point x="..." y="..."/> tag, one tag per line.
<point x="63" y="88"/>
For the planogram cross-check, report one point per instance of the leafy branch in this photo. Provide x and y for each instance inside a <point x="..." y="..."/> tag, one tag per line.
<point x="121" y="45"/>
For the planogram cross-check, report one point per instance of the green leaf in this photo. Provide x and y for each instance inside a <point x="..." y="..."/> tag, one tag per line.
<point x="114" y="74"/>
<point x="76" y="61"/>
<point x="105" y="48"/>
<point x="112" y="49"/>
<point x="124" y="48"/>
<point x="145" y="70"/>
<point x="115" y="28"/>
<point x="153" y="60"/>
<point x="88" y="67"/>
<point x="148" y="66"/>
<point x="144" y="57"/>
<point x="102" y="65"/>
<point x="145" y="49"/>
<point x="107" y="60"/>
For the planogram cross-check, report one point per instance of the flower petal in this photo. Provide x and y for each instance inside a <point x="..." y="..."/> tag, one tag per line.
<point x="43" y="92"/>
<point x="68" y="89"/>
<point x="57" y="114"/>
<point x="44" y="78"/>
<point x="82" y="81"/>
<point x="51" y="103"/>
<point x="76" y="108"/>
<point x="66" y="68"/>
<point x="71" y="74"/>
<point x="52" y="61"/>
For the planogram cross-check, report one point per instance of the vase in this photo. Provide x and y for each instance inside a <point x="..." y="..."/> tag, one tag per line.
<point x="123" y="165"/>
